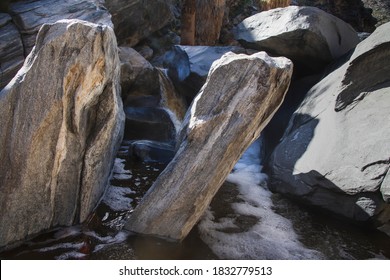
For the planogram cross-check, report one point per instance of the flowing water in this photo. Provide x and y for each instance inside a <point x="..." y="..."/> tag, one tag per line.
<point x="244" y="221"/>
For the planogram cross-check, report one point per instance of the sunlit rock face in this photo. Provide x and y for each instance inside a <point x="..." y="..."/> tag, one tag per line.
<point x="308" y="36"/>
<point x="62" y="121"/>
<point x="335" y="152"/>
<point x="239" y="98"/>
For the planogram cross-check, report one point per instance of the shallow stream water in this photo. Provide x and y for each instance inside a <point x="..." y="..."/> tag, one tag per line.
<point x="244" y="221"/>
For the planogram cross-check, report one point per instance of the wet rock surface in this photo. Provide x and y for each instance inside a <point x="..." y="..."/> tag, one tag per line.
<point x="149" y="123"/>
<point x="152" y="151"/>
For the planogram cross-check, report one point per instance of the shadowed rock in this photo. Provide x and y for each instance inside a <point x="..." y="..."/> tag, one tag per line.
<point x="150" y="123"/>
<point x="134" y="20"/>
<point x="139" y="80"/>
<point x="11" y="50"/>
<point x="239" y="98"/>
<point x="29" y="16"/>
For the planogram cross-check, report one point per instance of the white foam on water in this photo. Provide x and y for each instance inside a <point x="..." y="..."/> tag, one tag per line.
<point x="272" y="237"/>
<point x="105" y="216"/>
<point x="71" y="255"/>
<point x="61" y="246"/>
<point x="67" y="231"/>
<point x="118" y="238"/>
<point x="119" y="171"/>
<point x="116" y="199"/>
<point x="121" y="176"/>
<point x="174" y="119"/>
<point x="118" y="222"/>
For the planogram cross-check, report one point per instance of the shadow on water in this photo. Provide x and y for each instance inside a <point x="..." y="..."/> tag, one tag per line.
<point x="327" y="226"/>
<point x="335" y="238"/>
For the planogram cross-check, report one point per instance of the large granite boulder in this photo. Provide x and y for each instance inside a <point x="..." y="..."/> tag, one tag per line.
<point x="238" y="99"/>
<point x="309" y="36"/>
<point x="29" y="16"/>
<point x="335" y="152"/>
<point x="11" y="49"/>
<point x="61" y="124"/>
<point x="188" y="66"/>
<point x="134" y="20"/>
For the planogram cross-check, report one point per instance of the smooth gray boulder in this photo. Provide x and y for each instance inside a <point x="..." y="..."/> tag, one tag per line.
<point x="61" y="124"/>
<point x="134" y="20"/>
<point x="239" y="98"/>
<point x="29" y="16"/>
<point x="335" y="152"/>
<point x="310" y="37"/>
<point x="11" y="50"/>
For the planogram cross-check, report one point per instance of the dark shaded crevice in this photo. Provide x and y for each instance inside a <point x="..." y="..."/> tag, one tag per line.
<point x="386" y="161"/>
<point x="94" y="125"/>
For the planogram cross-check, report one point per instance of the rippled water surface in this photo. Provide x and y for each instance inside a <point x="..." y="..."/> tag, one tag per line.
<point x="244" y="221"/>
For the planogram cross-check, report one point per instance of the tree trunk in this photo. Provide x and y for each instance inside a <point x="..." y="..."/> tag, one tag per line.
<point x="188" y="23"/>
<point x="209" y="19"/>
<point x="266" y="5"/>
